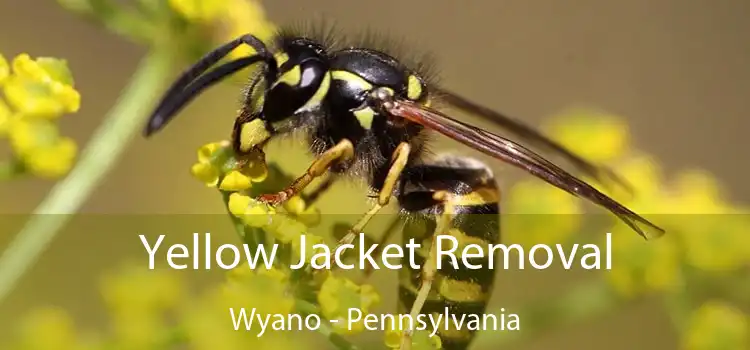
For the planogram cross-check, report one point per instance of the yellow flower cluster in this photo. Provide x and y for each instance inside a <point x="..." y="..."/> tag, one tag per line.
<point x="36" y="93"/>
<point x="215" y="162"/>
<point x="267" y="292"/>
<point x="216" y="167"/>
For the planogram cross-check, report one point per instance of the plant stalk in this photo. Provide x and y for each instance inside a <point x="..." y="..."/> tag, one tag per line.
<point x="99" y="157"/>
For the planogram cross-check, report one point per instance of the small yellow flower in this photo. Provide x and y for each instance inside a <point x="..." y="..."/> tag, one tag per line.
<point x="42" y="87"/>
<point x="206" y="173"/>
<point x="238" y="204"/>
<point x="53" y="161"/>
<point x="38" y="144"/>
<point x="44" y="69"/>
<point x="540" y="213"/>
<point x="596" y="136"/>
<point x="235" y="181"/>
<point x="207" y="152"/>
<point x="337" y="295"/>
<point x="295" y="205"/>
<point x="717" y="326"/>
<point x="421" y="339"/>
<point x="215" y="161"/>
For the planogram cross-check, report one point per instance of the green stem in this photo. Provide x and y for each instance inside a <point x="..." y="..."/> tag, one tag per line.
<point x="99" y="157"/>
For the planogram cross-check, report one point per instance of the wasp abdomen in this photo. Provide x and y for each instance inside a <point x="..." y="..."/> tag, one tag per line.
<point x="473" y="202"/>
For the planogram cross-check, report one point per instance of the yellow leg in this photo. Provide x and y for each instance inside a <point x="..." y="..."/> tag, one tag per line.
<point x="342" y="151"/>
<point x="398" y="163"/>
<point x="430" y="267"/>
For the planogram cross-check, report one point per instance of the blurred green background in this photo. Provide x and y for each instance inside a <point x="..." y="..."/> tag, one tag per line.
<point x="675" y="70"/>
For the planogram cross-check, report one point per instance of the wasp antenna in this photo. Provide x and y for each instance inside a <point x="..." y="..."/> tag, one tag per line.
<point x="186" y="87"/>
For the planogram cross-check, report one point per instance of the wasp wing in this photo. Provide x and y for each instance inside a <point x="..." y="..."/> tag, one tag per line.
<point x="523" y="131"/>
<point x="519" y="156"/>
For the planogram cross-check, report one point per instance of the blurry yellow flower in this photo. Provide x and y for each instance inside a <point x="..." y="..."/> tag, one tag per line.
<point x="643" y="173"/>
<point x="337" y="295"/>
<point x="48" y="328"/>
<point x="421" y="339"/>
<point x="269" y="289"/>
<point x="41" y="88"/>
<point x="38" y="144"/>
<point x="242" y="17"/>
<point x="717" y="326"/>
<point x="596" y="136"/>
<point x="216" y="321"/>
<point x="215" y="161"/>
<point x="714" y="235"/>
<point x="235" y="181"/>
<point x="697" y="192"/>
<point x="539" y="213"/>
<point x="6" y="116"/>
<point x="135" y="289"/>
<point x="199" y="10"/>
<point x="4" y="69"/>
<point x="137" y="330"/>
<point x="53" y="161"/>
<point x="310" y="241"/>
<point x="716" y="242"/>
<point x="640" y="266"/>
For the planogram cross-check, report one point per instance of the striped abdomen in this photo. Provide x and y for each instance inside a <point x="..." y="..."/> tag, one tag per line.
<point x="474" y="203"/>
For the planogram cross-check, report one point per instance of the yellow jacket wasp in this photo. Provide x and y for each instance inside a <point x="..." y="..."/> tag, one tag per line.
<point x="366" y="115"/>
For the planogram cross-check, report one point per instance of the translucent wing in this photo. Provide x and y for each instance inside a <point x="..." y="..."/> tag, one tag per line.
<point x="519" y="156"/>
<point x="533" y="137"/>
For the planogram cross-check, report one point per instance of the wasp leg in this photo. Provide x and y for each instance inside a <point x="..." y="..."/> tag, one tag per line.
<point x="341" y="152"/>
<point x="314" y="195"/>
<point x="455" y="197"/>
<point x="430" y="267"/>
<point x="398" y="163"/>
